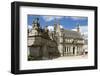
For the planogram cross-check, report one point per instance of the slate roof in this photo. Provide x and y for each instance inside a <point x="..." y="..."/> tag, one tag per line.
<point x="72" y="34"/>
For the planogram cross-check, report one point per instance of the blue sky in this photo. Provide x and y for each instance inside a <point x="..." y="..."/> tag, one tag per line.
<point x="67" y="22"/>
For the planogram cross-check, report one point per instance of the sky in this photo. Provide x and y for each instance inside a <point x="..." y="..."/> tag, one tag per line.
<point x="66" y="22"/>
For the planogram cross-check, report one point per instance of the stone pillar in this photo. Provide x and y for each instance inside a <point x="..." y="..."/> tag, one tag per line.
<point x="78" y="50"/>
<point x="66" y="50"/>
<point x="81" y="50"/>
<point x="61" y="49"/>
<point x="71" y="49"/>
<point x="75" y="50"/>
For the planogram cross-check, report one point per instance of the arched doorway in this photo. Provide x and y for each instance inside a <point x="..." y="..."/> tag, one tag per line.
<point x="73" y="50"/>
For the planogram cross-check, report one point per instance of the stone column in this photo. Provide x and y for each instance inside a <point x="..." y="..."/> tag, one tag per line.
<point x="79" y="50"/>
<point x="71" y="50"/>
<point x="75" y="50"/>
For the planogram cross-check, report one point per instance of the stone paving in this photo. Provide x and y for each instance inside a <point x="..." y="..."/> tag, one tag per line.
<point x="72" y="57"/>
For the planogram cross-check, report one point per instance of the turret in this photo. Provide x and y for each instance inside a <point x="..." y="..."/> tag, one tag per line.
<point x="56" y="26"/>
<point x="36" y="24"/>
<point x="78" y="28"/>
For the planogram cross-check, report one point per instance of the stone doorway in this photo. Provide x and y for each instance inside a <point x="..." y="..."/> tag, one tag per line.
<point x="73" y="50"/>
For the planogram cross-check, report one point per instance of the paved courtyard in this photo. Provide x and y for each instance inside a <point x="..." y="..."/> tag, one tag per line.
<point x="72" y="57"/>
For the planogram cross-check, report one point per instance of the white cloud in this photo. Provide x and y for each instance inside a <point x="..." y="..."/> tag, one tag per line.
<point x="29" y="27"/>
<point x="51" y="28"/>
<point x="77" y="18"/>
<point x="49" y="18"/>
<point x="83" y="30"/>
<point x="61" y="26"/>
<point x="74" y="29"/>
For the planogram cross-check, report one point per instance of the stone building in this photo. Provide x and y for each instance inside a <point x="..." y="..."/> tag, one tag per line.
<point x="45" y="44"/>
<point x="40" y="45"/>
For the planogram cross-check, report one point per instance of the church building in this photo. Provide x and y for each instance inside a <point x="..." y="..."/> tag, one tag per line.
<point x="46" y="44"/>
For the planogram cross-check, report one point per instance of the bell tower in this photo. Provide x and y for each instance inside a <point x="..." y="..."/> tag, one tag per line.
<point x="57" y="26"/>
